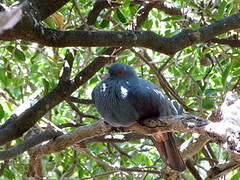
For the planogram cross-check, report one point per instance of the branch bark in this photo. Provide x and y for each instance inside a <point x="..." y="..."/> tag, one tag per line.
<point x="184" y="123"/>
<point x="35" y="32"/>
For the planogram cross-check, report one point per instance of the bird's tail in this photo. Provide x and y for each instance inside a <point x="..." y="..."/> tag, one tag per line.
<point x="167" y="148"/>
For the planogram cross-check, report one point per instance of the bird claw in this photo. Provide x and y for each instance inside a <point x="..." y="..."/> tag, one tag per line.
<point x="153" y="123"/>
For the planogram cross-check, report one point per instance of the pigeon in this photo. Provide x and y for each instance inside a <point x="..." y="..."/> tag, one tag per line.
<point x="123" y="99"/>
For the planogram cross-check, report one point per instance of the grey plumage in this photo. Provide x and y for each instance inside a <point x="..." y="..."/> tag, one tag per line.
<point x="124" y="99"/>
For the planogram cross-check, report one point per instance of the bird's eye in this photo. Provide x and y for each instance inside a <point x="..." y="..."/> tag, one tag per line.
<point x="119" y="72"/>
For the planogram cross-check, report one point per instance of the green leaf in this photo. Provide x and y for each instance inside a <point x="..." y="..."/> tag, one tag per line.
<point x="104" y="24"/>
<point x="221" y="9"/>
<point x="19" y="55"/>
<point x="126" y="3"/>
<point x="236" y="176"/>
<point x="172" y="18"/>
<point x="35" y="55"/>
<point x="50" y="22"/>
<point x="148" y="24"/>
<point x="1" y="112"/>
<point x="208" y="103"/>
<point x="46" y="86"/>
<point x="120" y="16"/>
<point x="3" y="77"/>
<point x="210" y="92"/>
<point x="8" y="173"/>
<point x="225" y="74"/>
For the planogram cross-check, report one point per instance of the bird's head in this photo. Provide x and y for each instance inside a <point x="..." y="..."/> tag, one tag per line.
<point x="121" y="71"/>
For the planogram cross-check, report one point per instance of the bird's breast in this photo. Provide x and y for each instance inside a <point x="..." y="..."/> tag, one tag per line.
<point x="112" y="103"/>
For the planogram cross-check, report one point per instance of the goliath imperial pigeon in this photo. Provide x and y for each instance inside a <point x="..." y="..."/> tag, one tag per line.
<point x="123" y="99"/>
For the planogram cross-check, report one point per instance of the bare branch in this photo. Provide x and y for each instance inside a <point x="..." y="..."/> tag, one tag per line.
<point x="8" y="99"/>
<point x="98" y="6"/>
<point x="81" y="114"/>
<point x="160" y="5"/>
<point x="180" y="124"/>
<point x="230" y="42"/>
<point x="225" y="131"/>
<point x="116" y="138"/>
<point x="35" y="167"/>
<point x="44" y="8"/>
<point x="67" y="67"/>
<point x="169" y="45"/>
<point x="80" y="101"/>
<point x="79" y="134"/>
<point x="193" y="145"/>
<point x="193" y="170"/>
<point x="221" y="169"/>
<point x="65" y="125"/>
<point x="142" y="14"/>
<point x="121" y="151"/>
<point x="28" y="143"/>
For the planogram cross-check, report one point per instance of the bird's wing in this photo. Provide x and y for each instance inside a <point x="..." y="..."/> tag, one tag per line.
<point x="150" y="102"/>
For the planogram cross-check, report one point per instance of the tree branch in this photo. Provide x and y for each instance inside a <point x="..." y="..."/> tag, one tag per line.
<point x="184" y="123"/>
<point x="80" y="101"/>
<point x="21" y="121"/>
<point x="79" y="134"/>
<point x="192" y="146"/>
<point x="44" y="8"/>
<point x="98" y="6"/>
<point x="193" y="170"/>
<point x="28" y="143"/>
<point x="109" y="138"/>
<point x="31" y="31"/>
<point x="67" y="67"/>
<point x="221" y="169"/>
<point x="230" y="42"/>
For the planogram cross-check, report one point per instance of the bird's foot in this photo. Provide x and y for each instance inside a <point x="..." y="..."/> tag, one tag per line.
<point x="153" y="123"/>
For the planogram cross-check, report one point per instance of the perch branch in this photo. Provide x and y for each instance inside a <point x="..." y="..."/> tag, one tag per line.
<point x="184" y="123"/>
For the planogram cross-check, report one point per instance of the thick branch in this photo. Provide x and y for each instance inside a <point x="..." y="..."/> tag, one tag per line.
<point x="45" y="8"/>
<point x="79" y="134"/>
<point x="98" y="7"/>
<point x="17" y="124"/>
<point x="184" y="123"/>
<point x="180" y="124"/>
<point x="168" y="45"/>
